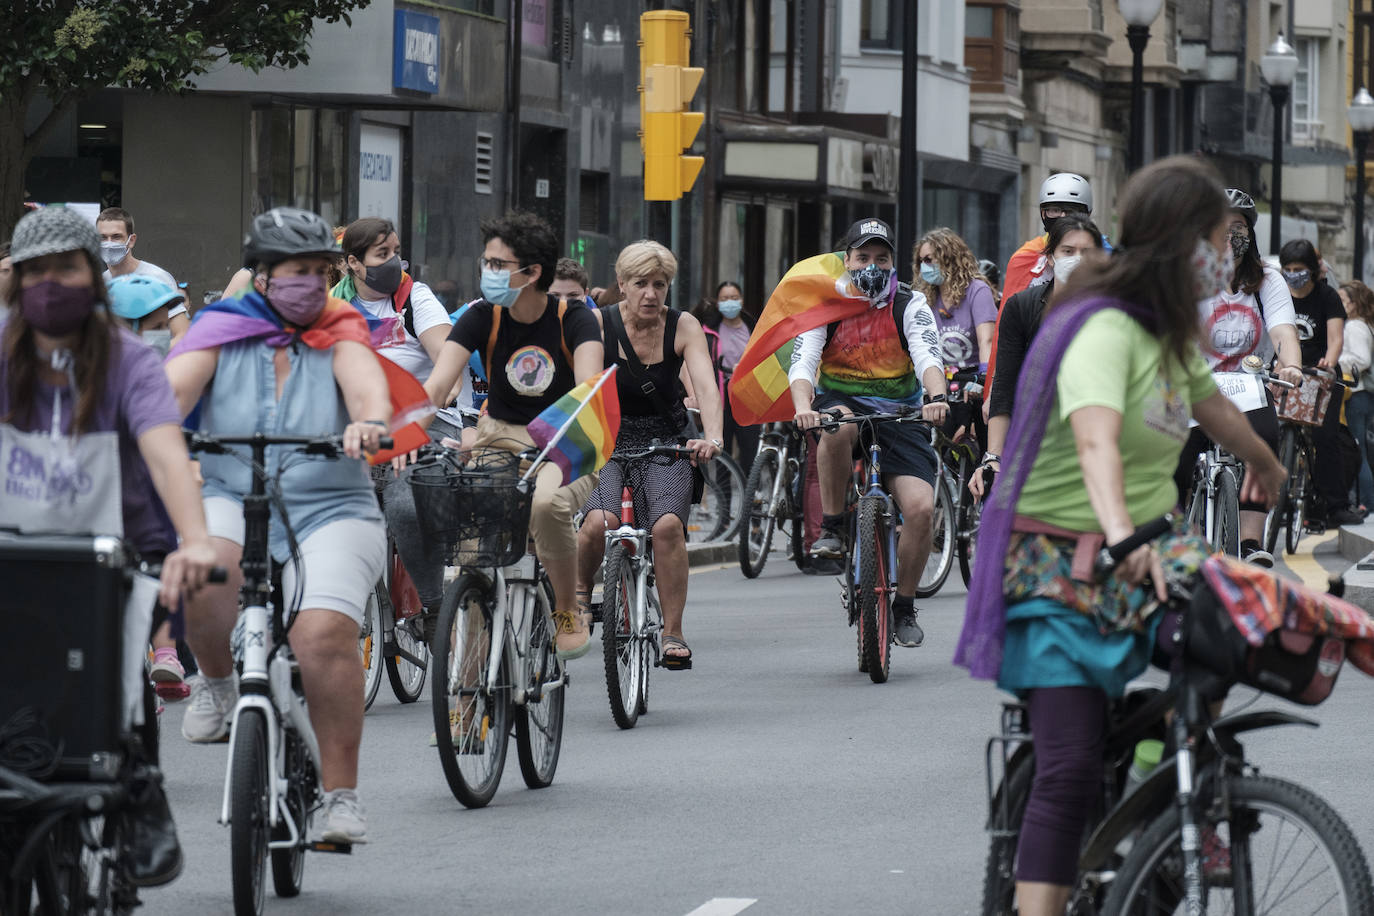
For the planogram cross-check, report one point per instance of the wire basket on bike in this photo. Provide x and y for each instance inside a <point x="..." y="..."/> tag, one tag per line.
<point x="474" y="504"/>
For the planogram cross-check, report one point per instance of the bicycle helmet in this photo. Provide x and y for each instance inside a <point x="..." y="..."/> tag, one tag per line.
<point x="287" y="232"/>
<point x="990" y="271"/>
<point x="1241" y="203"/>
<point x="1067" y="188"/>
<point x="134" y="296"/>
<point x="53" y="230"/>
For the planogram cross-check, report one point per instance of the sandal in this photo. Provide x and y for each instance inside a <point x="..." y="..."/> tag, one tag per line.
<point x="675" y="662"/>
<point x="584" y="607"/>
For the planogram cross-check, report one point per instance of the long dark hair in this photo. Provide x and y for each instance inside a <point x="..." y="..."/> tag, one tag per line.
<point x="1249" y="275"/>
<point x="1166" y="207"/>
<point x="1060" y="229"/>
<point x="97" y="340"/>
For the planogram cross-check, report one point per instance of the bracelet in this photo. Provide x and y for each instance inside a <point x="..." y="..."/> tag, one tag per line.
<point x="382" y="423"/>
<point x="717" y="443"/>
<point x="990" y="457"/>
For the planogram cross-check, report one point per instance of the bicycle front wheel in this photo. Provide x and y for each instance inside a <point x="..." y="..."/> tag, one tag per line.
<point x="407" y="678"/>
<point x="875" y="598"/>
<point x="288" y="865"/>
<point x="1226" y="533"/>
<point x="370" y="639"/>
<point x="1297" y="501"/>
<point x="971" y="513"/>
<point x="756" y="531"/>
<point x="1281" y="850"/>
<point x="942" y="538"/>
<point x="1277" y="519"/>
<point x="471" y="717"/>
<point x="539" y="726"/>
<point x="248" y="813"/>
<point x="624" y="649"/>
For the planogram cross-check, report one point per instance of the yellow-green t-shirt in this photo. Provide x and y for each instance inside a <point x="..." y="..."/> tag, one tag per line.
<point x="1114" y="362"/>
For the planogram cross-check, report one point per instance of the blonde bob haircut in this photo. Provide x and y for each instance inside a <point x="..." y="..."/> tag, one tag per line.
<point x="644" y="259"/>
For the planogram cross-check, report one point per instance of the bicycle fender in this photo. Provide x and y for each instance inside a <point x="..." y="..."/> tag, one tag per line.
<point x="1157" y="792"/>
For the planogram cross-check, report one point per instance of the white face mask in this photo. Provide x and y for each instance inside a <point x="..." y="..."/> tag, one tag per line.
<point x="1065" y="266"/>
<point x="161" y="340"/>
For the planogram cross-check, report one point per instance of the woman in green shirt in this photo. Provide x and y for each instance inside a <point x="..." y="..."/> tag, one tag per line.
<point x="1102" y="411"/>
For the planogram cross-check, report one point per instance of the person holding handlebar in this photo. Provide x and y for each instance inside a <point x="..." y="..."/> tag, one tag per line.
<point x="1089" y="458"/>
<point x="287" y="359"/>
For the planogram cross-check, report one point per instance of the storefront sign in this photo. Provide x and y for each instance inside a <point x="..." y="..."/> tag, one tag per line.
<point x="380" y="171"/>
<point x="415" y="55"/>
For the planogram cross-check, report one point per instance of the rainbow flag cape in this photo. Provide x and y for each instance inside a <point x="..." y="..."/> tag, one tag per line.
<point x="250" y="318"/>
<point x="815" y="292"/>
<point x="577" y="432"/>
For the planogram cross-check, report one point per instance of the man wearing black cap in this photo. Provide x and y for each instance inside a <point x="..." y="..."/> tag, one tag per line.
<point x="874" y="362"/>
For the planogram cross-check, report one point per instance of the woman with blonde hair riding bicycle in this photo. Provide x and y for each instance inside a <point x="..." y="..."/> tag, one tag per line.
<point x="1089" y="458"/>
<point x="652" y="345"/>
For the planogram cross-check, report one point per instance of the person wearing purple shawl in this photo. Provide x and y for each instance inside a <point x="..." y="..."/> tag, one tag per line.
<point x="1102" y="410"/>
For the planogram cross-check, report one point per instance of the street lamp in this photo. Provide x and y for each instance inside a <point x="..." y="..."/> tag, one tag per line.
<point x="1361" y="118"/>
<point x="1138" y="15"/>
<point x="1278" y="65"/>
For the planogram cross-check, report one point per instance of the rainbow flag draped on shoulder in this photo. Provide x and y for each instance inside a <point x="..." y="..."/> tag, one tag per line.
<point x="815" y="292"/>
<point x="577" y="432"/>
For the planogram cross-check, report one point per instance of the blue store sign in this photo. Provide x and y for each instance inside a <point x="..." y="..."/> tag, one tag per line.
<point x="415" y="58"/>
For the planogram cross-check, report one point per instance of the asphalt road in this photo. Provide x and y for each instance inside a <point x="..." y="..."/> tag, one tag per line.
<point x="773" y="778"/>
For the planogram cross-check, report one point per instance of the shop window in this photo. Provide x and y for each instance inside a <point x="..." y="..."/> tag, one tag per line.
<point x="297" y="158"/>
<point x="992" y="45"/>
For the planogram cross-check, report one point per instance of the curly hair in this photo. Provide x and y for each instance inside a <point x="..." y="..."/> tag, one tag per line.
<point x="956" y="262"/>
<point x="1361" y="300"/>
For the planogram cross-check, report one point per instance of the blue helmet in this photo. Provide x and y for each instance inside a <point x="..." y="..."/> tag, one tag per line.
<point x="134" y="296"/>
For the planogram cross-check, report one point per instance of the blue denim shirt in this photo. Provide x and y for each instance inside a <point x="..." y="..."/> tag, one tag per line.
<point x="242" y="400"/>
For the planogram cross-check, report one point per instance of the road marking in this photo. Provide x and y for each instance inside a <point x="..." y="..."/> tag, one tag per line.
<point x="1304" y="564"/>
<point x="723" y="906"/>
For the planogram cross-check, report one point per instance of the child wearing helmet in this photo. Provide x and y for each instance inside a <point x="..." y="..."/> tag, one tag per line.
<point x="143" y="305"/>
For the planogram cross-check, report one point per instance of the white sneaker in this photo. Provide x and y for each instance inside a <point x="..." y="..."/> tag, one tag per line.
<point x="344" y="821"/>
<point x="207" y="719"/>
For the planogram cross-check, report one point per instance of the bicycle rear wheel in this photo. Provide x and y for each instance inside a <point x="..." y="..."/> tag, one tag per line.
<point x="970" y="512"/>
<point x="1297" y="501"/>
<point x="1281" y="850"/>
<point x="942" y="537"/>
<point x="370" y="641"/>
<point x="248" y="813"/>
<point x="288" y="865"/>
<point x="756" y="530"/>
<point x="1277" y="519"/>
<point x="875" y="599"/>
<point x="539" y="724"/>
<point x="1004" y="830"/>
<point x="471" y="718"/>
<point x="624" y="651"/>
<point x="407" y="678"/>
<point x="1226" y="534"/>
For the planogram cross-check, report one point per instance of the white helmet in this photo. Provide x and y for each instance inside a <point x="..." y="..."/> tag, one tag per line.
<point x="1067" y="188"/>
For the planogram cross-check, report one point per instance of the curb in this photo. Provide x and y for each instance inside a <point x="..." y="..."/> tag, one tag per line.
<point x="1357" y="546"/>
<point x="699" y="555"/>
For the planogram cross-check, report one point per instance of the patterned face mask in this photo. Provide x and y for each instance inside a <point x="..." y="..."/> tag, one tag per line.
<point x="874" y="282"/>
<point x="1240" y="243"/>
<point x="1213" y="270"/>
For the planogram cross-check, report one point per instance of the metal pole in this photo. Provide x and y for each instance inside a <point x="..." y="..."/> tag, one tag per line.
<point x="1361" y="147"/>
<point x="1279" y="95"/>
<point x="1138" y="36"/>
<point x="909" y="175"/>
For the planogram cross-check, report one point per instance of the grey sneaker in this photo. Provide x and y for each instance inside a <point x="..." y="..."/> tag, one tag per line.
<point x="909" y="632"/>
<point x="1260" y="557"/>
<point x="830" y="545"/>
<point x="207" y="719"/>
<point x="344" y="821"/>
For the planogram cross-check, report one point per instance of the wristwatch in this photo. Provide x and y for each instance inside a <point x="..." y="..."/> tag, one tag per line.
<point x="933" y="399"/>
<point x="990" y="457"/>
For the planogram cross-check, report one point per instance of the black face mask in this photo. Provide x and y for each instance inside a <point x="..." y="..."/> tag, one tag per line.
<point x="385" y="277"/>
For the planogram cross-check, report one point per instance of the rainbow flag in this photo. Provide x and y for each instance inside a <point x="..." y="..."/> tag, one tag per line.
<point x="814" y="292"/>
<point x="577" y="432"/>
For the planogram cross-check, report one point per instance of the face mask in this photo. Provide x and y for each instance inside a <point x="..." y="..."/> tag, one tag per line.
<point x="1065" y="266"/>
<point x="496" y="287"/>
<point x="299" y="300"/>
<point x="161" y="341"/>
<point x="932" y="275"/>
<point x="874" y="282"/>
<point x="1213" y="271"/>
<point x="1298" y="278"/>
<point x="113" y="252"/>
<point x="729" y="308"/>
<point x="385" y="278"/>
<point x="55" y="309"/>
<point x="1240" y="243"/>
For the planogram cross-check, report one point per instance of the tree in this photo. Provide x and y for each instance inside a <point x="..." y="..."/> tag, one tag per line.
<point x="63" y="50"/>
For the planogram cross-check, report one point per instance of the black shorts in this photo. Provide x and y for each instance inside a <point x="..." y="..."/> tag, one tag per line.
<point x="906" y="446"/>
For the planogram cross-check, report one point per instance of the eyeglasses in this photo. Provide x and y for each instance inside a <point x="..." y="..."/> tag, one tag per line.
<point x="497" y="264"/>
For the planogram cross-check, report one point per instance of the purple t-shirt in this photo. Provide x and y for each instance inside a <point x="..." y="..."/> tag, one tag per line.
<point x="136" y="397"/>
<point x="958" y="331"/>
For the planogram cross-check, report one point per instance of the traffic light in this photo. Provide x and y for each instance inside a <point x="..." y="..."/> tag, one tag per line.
<point x="666" y="87"/>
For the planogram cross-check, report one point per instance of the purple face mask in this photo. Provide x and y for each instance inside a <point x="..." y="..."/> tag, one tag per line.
<point x="55" y="309"/>
<point x="298" y="299"/>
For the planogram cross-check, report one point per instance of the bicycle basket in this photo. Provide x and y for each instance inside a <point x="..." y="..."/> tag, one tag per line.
<point x="476" y="507"/>
<point x="1307" y="404"/>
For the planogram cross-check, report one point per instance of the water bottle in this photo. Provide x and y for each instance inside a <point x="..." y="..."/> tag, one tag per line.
<point x="1147" y="756"/>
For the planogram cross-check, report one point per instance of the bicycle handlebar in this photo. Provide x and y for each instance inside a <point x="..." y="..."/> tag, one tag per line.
<point x="674" y="451"/>
<point x="329" y="446"/>
<point x="1109" y="557"/>
<point x="834" y="417"/>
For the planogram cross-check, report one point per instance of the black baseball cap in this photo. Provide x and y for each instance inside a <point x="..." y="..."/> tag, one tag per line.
<point x="869" y="230"/>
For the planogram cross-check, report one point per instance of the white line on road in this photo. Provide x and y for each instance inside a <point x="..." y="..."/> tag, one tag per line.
<point x="723" y="906"/>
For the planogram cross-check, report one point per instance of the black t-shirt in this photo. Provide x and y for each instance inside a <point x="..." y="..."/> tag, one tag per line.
<point x="529" y="370"/>
<point x="1313" y="312"/>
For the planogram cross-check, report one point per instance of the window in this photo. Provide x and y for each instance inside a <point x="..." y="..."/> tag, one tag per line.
<point x="296" y="158"/>
<point x="880" y="24"/>
<point x="594" y="203"/>
<point x="992" y="45"/>
<point x="1306" y="125"/>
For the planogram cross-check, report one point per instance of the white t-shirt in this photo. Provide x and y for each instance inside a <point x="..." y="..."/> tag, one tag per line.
<point x="402" y="349"/>
<point x="1231" y="325"/>
<point x="149" y="269"/>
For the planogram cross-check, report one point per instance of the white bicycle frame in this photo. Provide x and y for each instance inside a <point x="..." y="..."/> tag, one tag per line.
<point x="518" y="599"/>
<point x="1210" y="465"/>
<point x="636" y="541"/>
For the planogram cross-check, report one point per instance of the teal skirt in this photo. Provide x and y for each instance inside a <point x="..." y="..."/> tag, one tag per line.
<point x="1050" y="645"/>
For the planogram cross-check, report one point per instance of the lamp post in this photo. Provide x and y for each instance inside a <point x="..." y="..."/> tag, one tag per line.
<point x="1278" y="65"/>
<point x="1138" y="15"/>
<point x="1361" y="118"/>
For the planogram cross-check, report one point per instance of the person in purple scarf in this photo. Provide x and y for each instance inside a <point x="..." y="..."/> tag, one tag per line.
<point x="1102" y="410"/>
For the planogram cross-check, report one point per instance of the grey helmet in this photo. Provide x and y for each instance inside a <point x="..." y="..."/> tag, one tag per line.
<point x="1067" y="188"/>
<point x="287" y="232"/>
<point x="1242" y="203"/>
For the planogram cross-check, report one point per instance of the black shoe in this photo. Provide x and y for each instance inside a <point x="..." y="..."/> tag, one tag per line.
<point x="909" y="632"/>
<point x="823" y="566"/>
<point x="154" y="854"/>
<point x="1346" y="516"/>
<point x="830" y="545"/>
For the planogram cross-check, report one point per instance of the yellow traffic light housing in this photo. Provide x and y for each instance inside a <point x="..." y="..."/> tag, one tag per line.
<point x="666" y="86"/>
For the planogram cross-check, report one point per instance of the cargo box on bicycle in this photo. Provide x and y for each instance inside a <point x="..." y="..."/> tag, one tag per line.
<point x="474" y="504"/>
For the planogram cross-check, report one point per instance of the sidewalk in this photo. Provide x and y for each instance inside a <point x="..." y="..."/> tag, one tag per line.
<point x="1357" y="546"/>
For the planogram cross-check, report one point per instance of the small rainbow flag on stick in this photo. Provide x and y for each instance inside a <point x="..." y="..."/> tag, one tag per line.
<point x="577" y="432"/>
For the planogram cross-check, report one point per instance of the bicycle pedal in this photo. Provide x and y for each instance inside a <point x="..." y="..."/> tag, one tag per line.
<point x="344" y="849"/>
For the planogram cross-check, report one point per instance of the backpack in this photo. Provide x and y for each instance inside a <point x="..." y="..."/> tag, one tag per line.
<point x="899" y="304"/>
